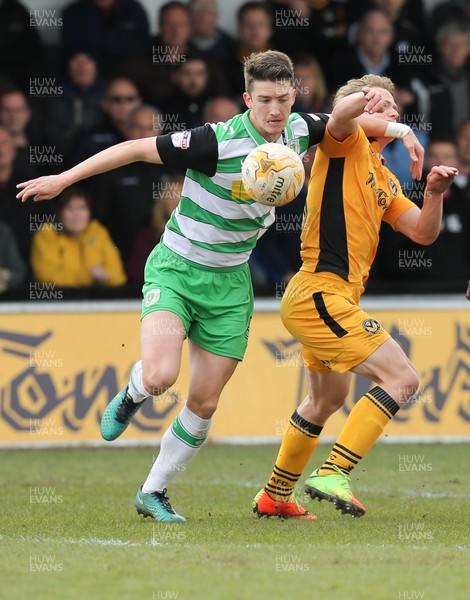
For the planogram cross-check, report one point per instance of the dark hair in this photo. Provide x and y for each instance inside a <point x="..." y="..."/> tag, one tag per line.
<point x="442" y="138"/>
<point x="248" y="6"/>
<point x="372" y="11"/>
<point x="267" y="66"/>
<point x="112" y="80"/>
<point x="169" y="6"/>
<point x="69" y="194"/>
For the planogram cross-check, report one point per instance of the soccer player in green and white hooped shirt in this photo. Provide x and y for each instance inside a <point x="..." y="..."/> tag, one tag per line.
<point x="197" y="281"/>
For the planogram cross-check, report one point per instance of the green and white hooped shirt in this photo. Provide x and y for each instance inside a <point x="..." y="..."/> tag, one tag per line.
<point x="216" y="224"/>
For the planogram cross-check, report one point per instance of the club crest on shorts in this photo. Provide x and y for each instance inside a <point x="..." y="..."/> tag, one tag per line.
<point x="152" y="297"/>
<point x="371" y="325"/>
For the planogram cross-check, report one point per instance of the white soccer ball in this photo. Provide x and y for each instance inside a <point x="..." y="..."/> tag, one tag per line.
<point x="273" y="174"/>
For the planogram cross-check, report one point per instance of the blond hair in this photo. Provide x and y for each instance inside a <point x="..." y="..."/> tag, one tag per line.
<point x="356" y="85"/>
<point x="267" y="66"/>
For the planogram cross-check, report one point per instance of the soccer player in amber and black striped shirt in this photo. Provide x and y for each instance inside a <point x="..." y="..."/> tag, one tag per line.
<point x="350" y="192"/>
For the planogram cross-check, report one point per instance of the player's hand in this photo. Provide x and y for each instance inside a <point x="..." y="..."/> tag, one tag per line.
<point x="376" y="100"/>
<point x="440" y="179"/>
<point x="42" y="188"/>
<point x="416" y="152"/>
<point x="467" y="295"/>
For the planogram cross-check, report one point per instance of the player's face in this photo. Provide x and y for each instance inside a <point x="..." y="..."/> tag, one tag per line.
<point x="391" y="112"/>
<point x="270" y="103"/>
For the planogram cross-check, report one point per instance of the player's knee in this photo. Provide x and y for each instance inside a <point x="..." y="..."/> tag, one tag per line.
<point x="334" y="402"/>
<point x="203" y="408"/>
<point x="326" y="405"/>
<point x="158" y="380"/>
<point x="337" y="401"/>
<point x="409" y="383"/>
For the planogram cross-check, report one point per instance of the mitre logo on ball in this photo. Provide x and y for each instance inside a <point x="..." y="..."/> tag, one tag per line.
<point x="273" y="174"/>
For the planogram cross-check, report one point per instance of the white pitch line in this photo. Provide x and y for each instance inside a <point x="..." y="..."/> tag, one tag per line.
<point x="83" y="541"/>
<point x="415" y="494"/>
<point x="126" y="543"/>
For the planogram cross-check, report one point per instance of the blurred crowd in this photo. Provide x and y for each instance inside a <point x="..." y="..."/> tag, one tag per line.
<point x="110" y="80"/>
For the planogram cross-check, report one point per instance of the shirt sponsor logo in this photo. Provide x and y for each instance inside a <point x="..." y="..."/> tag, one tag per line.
<point x="382" y="197"/>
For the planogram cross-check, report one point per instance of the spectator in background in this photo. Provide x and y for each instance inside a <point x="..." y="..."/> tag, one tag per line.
<point x="15" y="115"/>
<point x="20" y="44"/>
<point x="152" y="67"/>
<point x="372" y="53"/>
<point x="255" y="30"/>
<point x="165" y="201"/>
<point x="312" y="95"/>
<point x="121" y="97"/>
<point x="317" y="28"/>
<point x="220" y="109"/>
<point x="450" y="10"/>
<point x="125" y="195"/>
<point x="24" y="124"/>
<point x="206" y="37"/>
<point x="445" y="264"/>
<point x="77" y="251"/>
<point x="22" y="219"/>
<point x="407" y="20"/>
<point x="193" y="87"/>
<point x="463" y="147"/>
<point x="12" y="267"/>
<point x="453" y="72"/>
<point x="79" y="109"/>
<point x="109" y="30"/>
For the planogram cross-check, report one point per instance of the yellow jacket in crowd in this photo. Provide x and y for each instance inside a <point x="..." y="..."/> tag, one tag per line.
<point x="67" y="261"/>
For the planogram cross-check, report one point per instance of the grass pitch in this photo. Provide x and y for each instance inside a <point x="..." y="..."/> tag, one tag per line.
<point x="69" y="529"/>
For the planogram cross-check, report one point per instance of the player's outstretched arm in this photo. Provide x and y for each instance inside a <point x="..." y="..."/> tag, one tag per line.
<point x="423" y="226"/>
<point x="343" y="121"/>
<point x="359" y="108"/>
<point x="45" y="188"/>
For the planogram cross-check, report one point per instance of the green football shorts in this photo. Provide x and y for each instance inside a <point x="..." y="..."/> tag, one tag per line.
<point x="215" y="305"/>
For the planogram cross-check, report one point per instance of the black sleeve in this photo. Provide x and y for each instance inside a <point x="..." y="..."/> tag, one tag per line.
<point x="316" y="128"/>
<point x="190" y="149"/>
